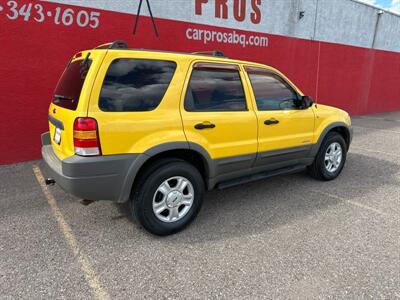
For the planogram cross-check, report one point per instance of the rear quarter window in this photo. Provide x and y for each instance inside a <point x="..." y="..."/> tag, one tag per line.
<point x="135" y="84"/>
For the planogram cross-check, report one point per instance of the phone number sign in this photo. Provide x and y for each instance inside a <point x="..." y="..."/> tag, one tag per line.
<point x="59" y="16"/>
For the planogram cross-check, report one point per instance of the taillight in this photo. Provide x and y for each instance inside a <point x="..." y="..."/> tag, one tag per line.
<point x="86" y="137"/>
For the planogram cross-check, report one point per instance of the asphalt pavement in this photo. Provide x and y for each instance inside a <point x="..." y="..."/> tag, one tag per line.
<point x="289" y="237"/>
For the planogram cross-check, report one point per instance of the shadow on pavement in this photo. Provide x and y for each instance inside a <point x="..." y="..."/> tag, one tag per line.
<point x="264" y="205"/>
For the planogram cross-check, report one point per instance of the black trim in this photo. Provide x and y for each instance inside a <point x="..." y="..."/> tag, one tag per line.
<point x="201" y="126"/>
<point x="327" y="129"/>
<point x="45" y="137"/>
<point x="260" y="176"/>
<point x="234" y="159"/>
<point x="216" y="66"/>
<point x="91" y="178"/>
<point x="112" y="177"/>
<point x="280" y="152"/>
<point x="215" y="53"/>
<point x="271" y="122"/>
<point x="233" y="163"/>
<point x="119" y="44"/>
<point x="56" y="122"/>
<point x="238" y="173"/>
<point x="284" y="157"/>
<point x="268" y="72"/>
<point x="166" y="147"/>
<point x="141" y="159"/>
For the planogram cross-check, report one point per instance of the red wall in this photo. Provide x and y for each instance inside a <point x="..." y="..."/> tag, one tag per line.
<point x="33" y="55"/>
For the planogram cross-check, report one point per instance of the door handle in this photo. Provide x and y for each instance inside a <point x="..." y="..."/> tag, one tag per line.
<point x="204" y="125"/>
<point x="271" y="122"/>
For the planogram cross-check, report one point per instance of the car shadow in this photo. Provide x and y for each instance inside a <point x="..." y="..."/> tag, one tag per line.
<point x="265" y="205"/>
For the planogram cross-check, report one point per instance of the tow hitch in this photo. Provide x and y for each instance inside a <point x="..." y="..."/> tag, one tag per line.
<point x="50" y="181"/>
<point x="87" y="202"/>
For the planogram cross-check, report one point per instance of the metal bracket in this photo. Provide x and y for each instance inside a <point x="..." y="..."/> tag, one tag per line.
<point x="151" y="16"/>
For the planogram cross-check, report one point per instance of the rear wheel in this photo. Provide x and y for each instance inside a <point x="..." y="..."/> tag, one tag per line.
<point x="168" y="196"/>
<point x="331" y="157"/>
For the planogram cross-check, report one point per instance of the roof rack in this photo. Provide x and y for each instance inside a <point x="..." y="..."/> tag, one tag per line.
<point x="114" y="45"/>
<point x="119" y="44"/>
<point x="215" y="53"/>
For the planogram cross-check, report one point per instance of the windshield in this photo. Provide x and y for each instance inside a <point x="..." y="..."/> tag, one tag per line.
<point x="69" y="86"/>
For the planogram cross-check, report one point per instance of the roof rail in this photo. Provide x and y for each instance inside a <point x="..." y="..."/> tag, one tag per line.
<point x="114" y="45"/>
<point x="215" y="53"/>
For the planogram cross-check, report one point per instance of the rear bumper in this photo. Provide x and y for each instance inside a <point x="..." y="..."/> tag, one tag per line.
<point x="92" y="178"/>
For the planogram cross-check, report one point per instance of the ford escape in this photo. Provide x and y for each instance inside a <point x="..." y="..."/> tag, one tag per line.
<point x="158" y="129"/>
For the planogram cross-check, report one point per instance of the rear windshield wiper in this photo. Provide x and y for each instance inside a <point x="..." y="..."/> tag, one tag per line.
<point x="63" y="98"/>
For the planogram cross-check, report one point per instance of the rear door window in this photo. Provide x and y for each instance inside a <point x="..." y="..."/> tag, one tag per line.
<point x="215" y="89"/>
<point x="69" y="87"/>
<point x="135" y="84"/>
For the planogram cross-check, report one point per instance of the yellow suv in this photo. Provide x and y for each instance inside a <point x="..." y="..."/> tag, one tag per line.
<point x="159" y="128"/>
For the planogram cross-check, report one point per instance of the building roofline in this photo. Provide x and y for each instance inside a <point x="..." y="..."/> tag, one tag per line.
<point x="385" y="10"/>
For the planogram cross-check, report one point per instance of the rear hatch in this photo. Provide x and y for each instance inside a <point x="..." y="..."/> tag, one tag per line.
<point x="70" y="99"/>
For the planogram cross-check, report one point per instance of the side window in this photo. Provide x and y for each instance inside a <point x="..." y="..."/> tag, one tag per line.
<point x="272" y="92"/>
<point x="215" y="89"/>
<point x="135" y="84"/>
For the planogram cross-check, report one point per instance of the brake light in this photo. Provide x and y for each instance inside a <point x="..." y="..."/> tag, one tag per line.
<point x="86" y="137"/>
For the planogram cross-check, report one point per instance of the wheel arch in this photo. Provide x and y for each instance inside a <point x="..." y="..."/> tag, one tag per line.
<point x="342" y="128"/>
<point x="344" y="131"/>
<point x="190" y="152"/>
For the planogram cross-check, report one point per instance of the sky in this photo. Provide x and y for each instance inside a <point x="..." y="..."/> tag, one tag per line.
<point x="392" y="5"/>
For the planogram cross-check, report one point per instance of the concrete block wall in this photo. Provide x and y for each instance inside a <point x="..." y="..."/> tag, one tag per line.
<point x="347" y="22"/>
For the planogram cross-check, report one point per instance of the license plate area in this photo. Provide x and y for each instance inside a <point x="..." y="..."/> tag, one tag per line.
<point x="57" y="136"/>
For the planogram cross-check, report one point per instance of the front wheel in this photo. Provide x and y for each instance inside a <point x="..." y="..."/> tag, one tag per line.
<point x="331" y="157"/>
<point x="168" y="197"/>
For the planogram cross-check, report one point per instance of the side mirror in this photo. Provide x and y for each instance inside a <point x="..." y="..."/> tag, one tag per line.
<point x="307" y="101"/>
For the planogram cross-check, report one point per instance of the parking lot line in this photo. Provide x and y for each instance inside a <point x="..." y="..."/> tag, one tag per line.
<point x="377" y="119"/>
<point x="379" y="129"/>
<point x="90" y="275"/>
<point x="375" y="151"/>
<point x="354" y="203"/>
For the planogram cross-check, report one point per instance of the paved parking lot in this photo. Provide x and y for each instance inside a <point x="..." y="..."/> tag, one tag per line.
<point x="289" y="237"/>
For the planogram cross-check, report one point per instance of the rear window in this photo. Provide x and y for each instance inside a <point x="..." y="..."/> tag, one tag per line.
<point x="69" y="86"/>
<point x="135" y="84"/>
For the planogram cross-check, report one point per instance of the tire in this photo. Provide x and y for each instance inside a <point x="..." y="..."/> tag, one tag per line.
<point x="320" y="167"/>
<point x="156" y="189"/>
